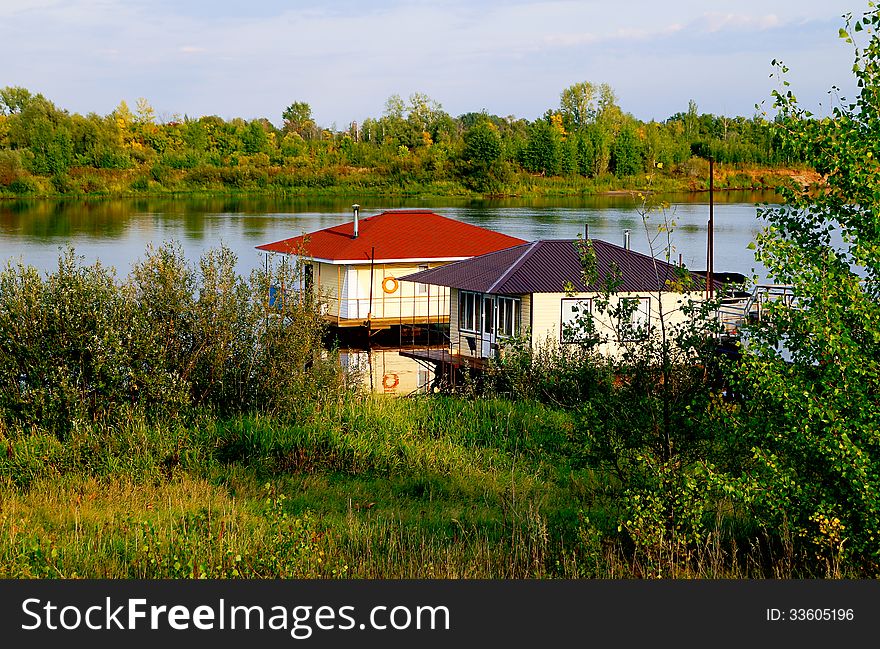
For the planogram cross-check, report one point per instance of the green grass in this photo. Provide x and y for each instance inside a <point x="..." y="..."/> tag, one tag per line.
<point x="367" y="487"/>
<point x="373" y="488"/>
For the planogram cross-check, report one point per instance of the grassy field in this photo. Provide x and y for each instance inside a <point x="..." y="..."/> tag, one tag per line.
<point x="434" y="487"/>
<point x="376" y="488"/>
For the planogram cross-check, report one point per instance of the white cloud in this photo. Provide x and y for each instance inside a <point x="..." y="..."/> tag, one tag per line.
<point x="715" y="22"/>
<point x="506" y="57"/>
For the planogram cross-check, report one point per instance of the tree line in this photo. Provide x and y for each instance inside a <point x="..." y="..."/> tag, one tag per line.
<point x="45" y="149"/>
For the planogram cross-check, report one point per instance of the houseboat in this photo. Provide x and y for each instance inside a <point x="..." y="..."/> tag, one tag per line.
<point x="357" y="266"/>
<point x="537" y="290"/>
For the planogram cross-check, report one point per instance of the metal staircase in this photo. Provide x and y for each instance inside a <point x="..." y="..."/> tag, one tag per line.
<point x="735" y="312"/>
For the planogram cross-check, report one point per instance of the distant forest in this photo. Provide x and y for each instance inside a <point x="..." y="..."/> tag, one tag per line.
<point x="586" y="143"/>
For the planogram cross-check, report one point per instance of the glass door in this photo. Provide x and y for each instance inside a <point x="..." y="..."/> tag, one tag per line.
<point x="487" y="334"/>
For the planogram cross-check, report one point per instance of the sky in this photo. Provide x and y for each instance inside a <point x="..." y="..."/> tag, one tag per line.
<point x="250" y="59"/>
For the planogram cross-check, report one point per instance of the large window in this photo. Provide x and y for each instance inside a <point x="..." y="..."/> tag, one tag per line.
<point x="577" y="320"/>
<point x="468" y="311"/>
<point x="634" y="318"/>
<point x="508" y="316"/>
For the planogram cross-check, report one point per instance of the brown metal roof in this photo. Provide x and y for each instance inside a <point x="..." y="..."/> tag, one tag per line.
<point x="547" y="266"/>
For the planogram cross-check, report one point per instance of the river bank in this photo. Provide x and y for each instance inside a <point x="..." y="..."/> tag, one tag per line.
<point x="80" y="182"/>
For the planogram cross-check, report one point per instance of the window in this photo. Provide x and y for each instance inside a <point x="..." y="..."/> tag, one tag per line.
<point x="468" y="311"/>
<point x="422" y="289"/>
<point x="577" y="321"/>
<point x="508" y="316"/>
<point x="634" y="318"/>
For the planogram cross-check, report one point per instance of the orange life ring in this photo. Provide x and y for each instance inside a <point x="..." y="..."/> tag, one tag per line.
<point x="389" y="282"/>
<point x="390" y="381"/>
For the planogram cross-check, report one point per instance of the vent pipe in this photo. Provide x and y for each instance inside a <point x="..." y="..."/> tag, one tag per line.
<point x="586" y="231"/>
<point x="626" y="239"/>
<point x="355" y="208"/>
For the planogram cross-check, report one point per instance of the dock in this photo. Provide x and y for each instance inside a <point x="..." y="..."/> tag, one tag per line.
<point x="442" y="358"/>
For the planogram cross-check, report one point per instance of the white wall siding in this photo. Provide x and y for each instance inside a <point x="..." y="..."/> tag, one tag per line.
<point x="547" y="315"/>
<point x="346" y="290"/>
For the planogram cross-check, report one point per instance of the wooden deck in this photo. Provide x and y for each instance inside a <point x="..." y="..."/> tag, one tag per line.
<point x="442" y="357"/>
<point x="385" y="323"/>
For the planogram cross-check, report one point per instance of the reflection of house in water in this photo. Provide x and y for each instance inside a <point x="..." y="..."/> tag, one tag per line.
<point x="537" y="290"/>
<point x="356" y="266"/>
<point x="385" y="371"/>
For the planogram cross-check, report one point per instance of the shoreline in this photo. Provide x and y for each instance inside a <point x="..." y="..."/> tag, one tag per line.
<point x="89" y="183"/>
<point x="344" y="191"/>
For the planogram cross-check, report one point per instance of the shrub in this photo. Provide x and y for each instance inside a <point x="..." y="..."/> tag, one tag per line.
<point x="80" y="346"/>
<point x="24" y="185"/>
<point x="161" y="173"/>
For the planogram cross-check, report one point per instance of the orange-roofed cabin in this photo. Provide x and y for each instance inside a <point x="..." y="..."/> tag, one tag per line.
<point x="356" y="266"/>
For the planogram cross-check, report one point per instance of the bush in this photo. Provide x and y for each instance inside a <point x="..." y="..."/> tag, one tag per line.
<point x="187" y="160"/>
<point x="161" y="173"/>
<point x="81" y="346"/>
<point x="202" y="176"/>
<point x="63" y="184"/>
<point x="11" y="167"/>
<point x="24" y="185"/>
<point x="91" y="183"/>
<point x="564" y="375"/>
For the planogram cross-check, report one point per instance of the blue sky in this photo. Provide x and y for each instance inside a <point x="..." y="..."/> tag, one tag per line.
<point x="252" y="59"/>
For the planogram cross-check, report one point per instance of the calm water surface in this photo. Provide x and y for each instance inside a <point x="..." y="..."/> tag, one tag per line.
<point x="117" y="231"/>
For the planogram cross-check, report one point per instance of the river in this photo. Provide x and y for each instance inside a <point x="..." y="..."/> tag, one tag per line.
<point x="117" y="231"/>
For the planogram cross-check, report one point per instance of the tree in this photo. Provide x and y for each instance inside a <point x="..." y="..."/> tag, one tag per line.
<point x="13" y="99"/>
<point x="654" y="430"/>
<point x="811" y="422"/>
<point x="254" y="138"/>
<point x="45" y="131"/>
<point x="543" y="153"/>
<point x="582" y="103"/>
<point x="298" y="119"/>
<point x="626" y="153"/>
<point x="577" y="103"/>
<point x="482" y="156"/>
<point x="145" y="113"/>
<point x="418" y="122"/>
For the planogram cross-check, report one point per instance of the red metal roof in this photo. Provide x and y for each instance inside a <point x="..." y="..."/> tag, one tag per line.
<point x="396" y="235"/>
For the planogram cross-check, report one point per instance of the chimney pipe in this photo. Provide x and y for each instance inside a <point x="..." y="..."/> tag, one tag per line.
<point x="355" y="208"/>
<point x="626" y="239"/>
<point x="586" y="231"/>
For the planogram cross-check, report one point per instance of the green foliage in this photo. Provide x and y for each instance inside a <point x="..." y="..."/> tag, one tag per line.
<point x="627" y="154"/>
<point x="415" y="146"/>
<point x="79" y="346"/>
<point x="542" y="154"/>
<point x="23" y="185"/>
<point x="562" y="375"/>
<point x="483" y="167"/>
<point x="13" y="99"/>
<point x="298" y="119"/>
<point x="811" y="417"/>
<point x="643" y="396"/>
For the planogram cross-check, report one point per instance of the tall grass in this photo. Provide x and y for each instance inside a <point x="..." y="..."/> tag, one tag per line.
<point x="433" y="487"/>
